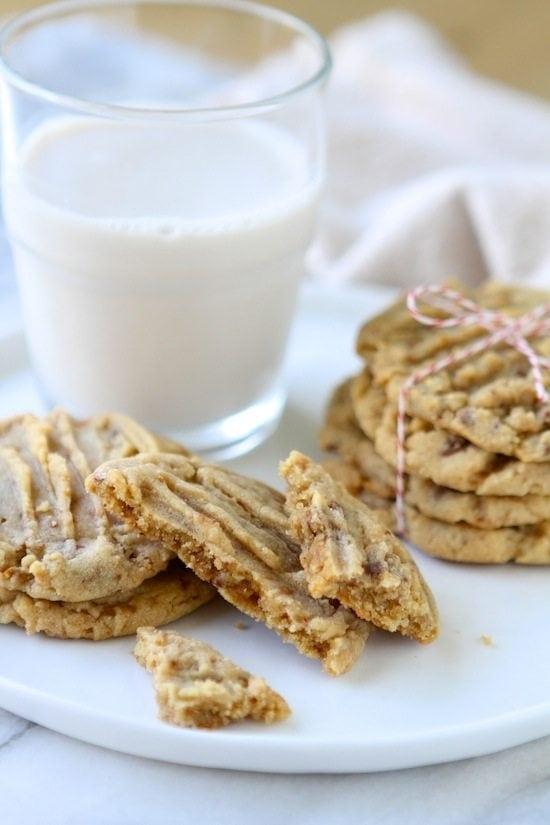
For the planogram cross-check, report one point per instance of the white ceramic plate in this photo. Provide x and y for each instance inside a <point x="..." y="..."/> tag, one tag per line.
<point x="402" y="705"/>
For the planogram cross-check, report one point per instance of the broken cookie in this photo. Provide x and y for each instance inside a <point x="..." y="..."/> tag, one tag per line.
<point x="232" y="532"/>
<point x="350" y="556"/>
<point x="198" y="687"/>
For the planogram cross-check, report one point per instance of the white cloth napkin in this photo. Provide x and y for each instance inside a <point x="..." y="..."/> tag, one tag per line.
<point x="433" y="171"/>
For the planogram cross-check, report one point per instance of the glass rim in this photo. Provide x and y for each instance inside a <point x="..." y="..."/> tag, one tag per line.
<point x="52" y="10"/>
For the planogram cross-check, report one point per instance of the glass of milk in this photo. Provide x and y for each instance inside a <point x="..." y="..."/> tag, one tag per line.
<point x="162" y="168"/>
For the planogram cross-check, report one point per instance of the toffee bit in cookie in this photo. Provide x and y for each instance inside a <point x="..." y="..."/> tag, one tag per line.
<point x="349" y="555"/>
<point x="198" y="687"/>
<point x="375" y="568"/>
<point x="466" y="416"/>
<point x="453" y="445"/>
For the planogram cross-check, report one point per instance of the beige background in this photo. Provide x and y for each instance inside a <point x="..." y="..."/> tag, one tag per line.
<point x="506" y="39"/>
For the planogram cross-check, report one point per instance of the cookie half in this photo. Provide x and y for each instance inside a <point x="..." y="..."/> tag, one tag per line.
<point x="349" y="555"/>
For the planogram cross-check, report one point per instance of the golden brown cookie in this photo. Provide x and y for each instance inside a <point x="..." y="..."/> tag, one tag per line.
<point x="451" y="461"/>
<point x="395" y="343"/>
<point x="475" y="537"/>
<point x="484" y="512"/>
<point x="198" y="687"/>
<point x="233" y="532"/>
<point x="164" y="598"/>
<point x="489" y="399"/>
<point x="368" y="401"/>
<point x="444" y="504"/>
<point x="463" y="543"/>
<point x="370" y="472"/>
<point x="56" y="542"/>
<point x="350" y="556"/>
<point x="436" y="455"/>
<point x="340" y="434"/>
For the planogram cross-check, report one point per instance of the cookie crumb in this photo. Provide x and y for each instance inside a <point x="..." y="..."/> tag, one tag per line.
<point x="487" y="640"/>
<point x="240" y="625"/>
<point x="197" y="687"/>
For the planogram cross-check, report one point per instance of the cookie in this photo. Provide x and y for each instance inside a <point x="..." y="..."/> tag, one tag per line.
<point x="463" y="543"/>
<point x="198" y="687"/>
<point x="371" y="473"/>
<point x="489" y="399"/>
<point x="368" y="402"/>
<point x="350" y="556"/>
<point x="484" y="512"/>
<point x="393" y="343"/>
<point x="444" y="504"/>
<point x="361" y="471"/>
<point x="446" y="459"/>
<point x="56" y="542"/>
<point x="233" y="532"/>
<point x="341" y="434"/>
<point x="451" y="461"/>
<point x="164" y="598"/>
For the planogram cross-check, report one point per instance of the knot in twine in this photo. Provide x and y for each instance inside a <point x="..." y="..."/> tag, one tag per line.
<point x="462" y="312"/>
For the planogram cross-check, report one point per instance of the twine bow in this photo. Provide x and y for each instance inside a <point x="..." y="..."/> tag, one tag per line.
<point x="465" y="313"/>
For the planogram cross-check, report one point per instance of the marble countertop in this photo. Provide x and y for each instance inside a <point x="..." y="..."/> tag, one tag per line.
<point x="52" y="780"/>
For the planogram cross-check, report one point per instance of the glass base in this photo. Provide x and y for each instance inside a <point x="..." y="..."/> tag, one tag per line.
<point x="226" y="438"/>
<point x="237" y="434"/>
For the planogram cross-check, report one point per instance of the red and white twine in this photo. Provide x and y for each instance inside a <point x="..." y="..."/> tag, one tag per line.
<point x="465" y="313"/>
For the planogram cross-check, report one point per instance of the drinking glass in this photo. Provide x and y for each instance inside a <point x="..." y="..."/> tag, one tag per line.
<point x="162" y="163"/>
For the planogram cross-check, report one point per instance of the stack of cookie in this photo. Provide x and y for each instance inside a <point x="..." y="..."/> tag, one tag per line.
<point x="67" y="568"/>
<point x="478" y="436"/>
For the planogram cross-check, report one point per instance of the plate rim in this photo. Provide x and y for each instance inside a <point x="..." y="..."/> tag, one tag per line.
<point x="287" y="754"/>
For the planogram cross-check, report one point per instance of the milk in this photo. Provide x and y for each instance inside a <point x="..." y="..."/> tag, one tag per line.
<point x="158" y="266"/>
